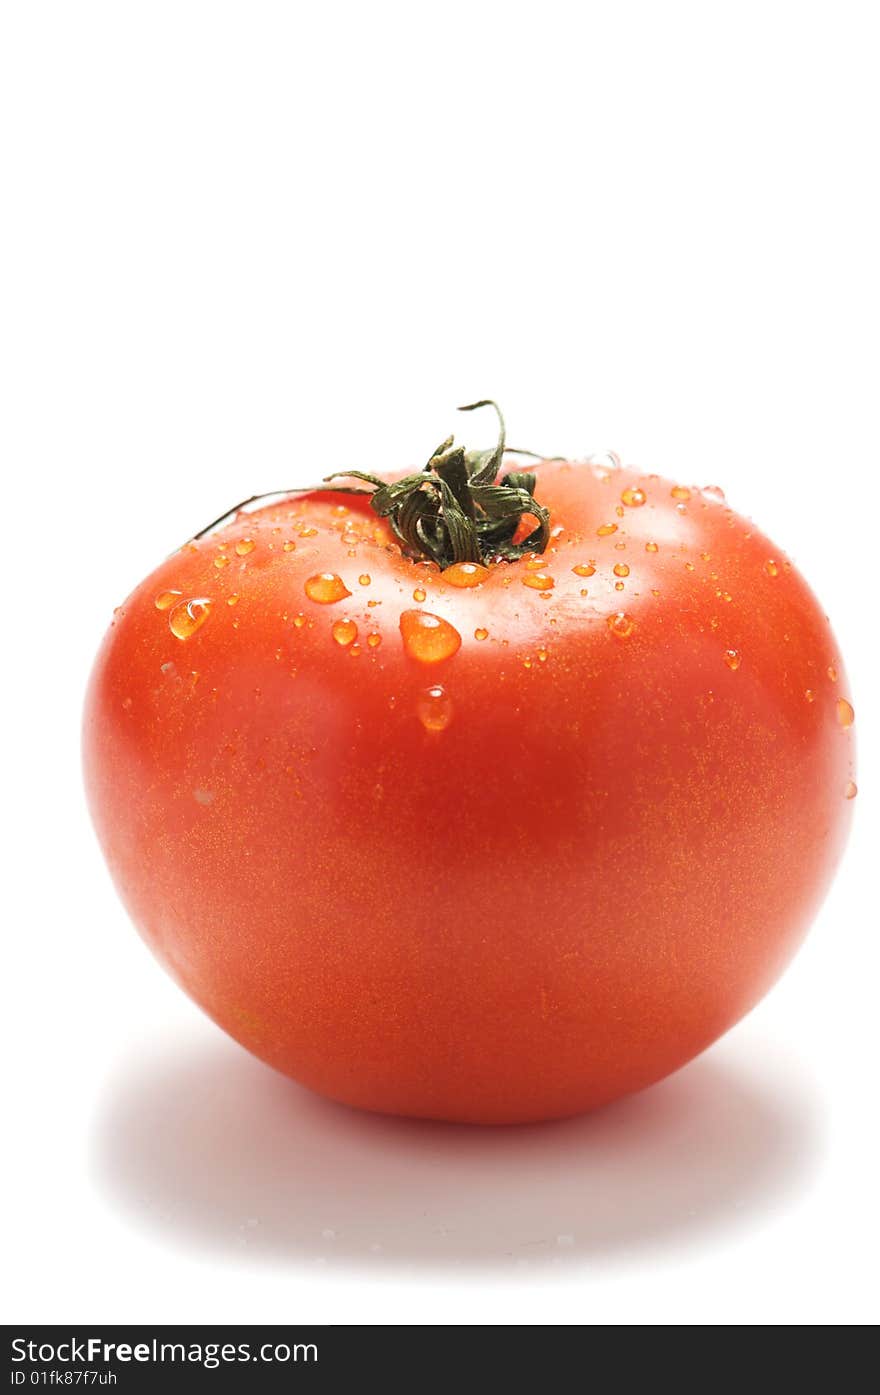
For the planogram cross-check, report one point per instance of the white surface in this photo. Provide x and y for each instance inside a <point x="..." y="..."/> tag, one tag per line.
<point x="245" y="242"/>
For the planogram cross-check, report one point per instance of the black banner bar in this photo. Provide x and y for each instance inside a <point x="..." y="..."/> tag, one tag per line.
<point x="143" y="1358"/>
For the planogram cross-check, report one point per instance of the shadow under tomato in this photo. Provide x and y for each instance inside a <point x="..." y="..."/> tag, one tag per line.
<point x="218" y="1151"/>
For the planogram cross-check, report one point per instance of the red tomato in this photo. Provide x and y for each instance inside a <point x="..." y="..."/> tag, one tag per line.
<point x="488" y="844"/>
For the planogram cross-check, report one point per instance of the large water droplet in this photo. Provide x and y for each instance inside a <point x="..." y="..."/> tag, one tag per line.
<point x="244" y="546"/>
<point x="166" y="599"/>
<point x="538" y="581"/>
<point x="621" y="625"/>
<point x="606" y="529"/>
<point x="435" y="709"/>
<point x="480" y="633"/>
<point x="325" y="588"/>
<point x="621" y="569"/>
<point x="344" y="632"/>
<point x="428" y="638"/>
<point x="189" y="616"/>
<point x="634" y="498"/>
<point x="845" y="713"/>
<point x="680" y="492"/>
<point x="584" y="569"/>
<point x="466" y="574"/>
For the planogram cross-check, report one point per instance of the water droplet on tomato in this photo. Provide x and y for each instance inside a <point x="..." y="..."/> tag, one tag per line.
<point x="428" y="638"/>
<point x="584" y="569"/>
<point x="845" y="714"/>
<point x="542" y="656"/>
<point x="621" y="569"/>
<point x="308" y="532"/>
<point x="621" y="624"/>
<point x="244" y="546"/>
<point x="189" y="616"/>
<point x="344" y="632"/>
<point x="481" y="633"/>
<point x="468" y="574"/>
<point x="634" y="498"/>
<point x="326" y="587"/>
<point x="832" y="673"/>
<point x="681" y="492"/>
<point x="166" y="599"/>
<point x="688" y="566"/>
<point x="233" y="599"/>
<point x="435" y="709"/>
<point x="770" y="567"/>
<point x="538" y="581"/>
<point x="810" y="695"/>
<point x="732" y="658"/>
<point x="374" y="640"/>
<point x="299" y="620"/>
<point x="714" y="492"/>
<point x="851" y="790"/>
<point x="364" y="579"/>
<point x="606" y="529"/>
<point x="418" y="594"/>
<point x="289" y="546"/>
<point x="221" y="561"/>
<point x="651" y="547"/>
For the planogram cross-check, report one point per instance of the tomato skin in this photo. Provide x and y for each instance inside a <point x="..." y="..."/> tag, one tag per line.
<point x="550" y="883"/>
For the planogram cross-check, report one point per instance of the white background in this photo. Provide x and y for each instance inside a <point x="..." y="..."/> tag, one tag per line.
<point x="243" y="243"/>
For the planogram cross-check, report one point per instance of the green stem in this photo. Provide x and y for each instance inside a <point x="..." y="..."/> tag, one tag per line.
<point x="455" y="509"/>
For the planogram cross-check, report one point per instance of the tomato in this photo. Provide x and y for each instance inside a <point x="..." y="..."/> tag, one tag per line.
<point x="496" y="842"/>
